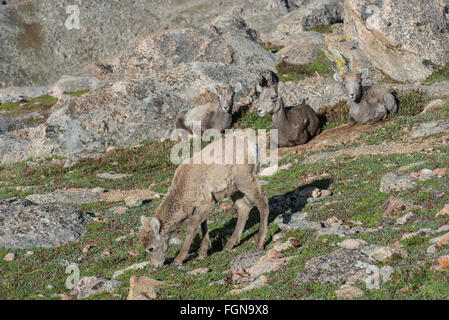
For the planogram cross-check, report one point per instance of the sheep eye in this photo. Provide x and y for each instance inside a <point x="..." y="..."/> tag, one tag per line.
<point x="150" y="250"/>
<point x="274" y="98"/>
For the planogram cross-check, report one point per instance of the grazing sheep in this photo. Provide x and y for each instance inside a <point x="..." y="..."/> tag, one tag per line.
<point x="296" y="125"/>
<point x="368" y="105"/>
<point x="192" y="195"/>
<point x="211" y="115"/>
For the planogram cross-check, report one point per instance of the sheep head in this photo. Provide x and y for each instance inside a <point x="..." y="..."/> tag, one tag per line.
<point x="226" y="96"/>
<point x="352" y="84"/>
<point x="152" y="241"/>
<point x="271" y="101"/>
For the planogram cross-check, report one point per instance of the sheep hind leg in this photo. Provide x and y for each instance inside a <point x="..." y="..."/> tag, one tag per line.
<point x="252" y="191"/>
<point x="243" y="209"/>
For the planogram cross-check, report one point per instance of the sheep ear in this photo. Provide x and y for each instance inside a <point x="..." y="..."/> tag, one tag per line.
<point x="259" y="88"/>
<point x="146" y="223"/>
<point x="155" y="225"/>
<point x="213" y="89"/>
<point x="365" y="73"/>
<point x="337" y="77"/>
<point x="306" y="121"/>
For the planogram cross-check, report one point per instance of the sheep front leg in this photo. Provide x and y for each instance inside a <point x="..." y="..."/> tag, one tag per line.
<point x="192" y="229"/>
<point x="243" y="210"/>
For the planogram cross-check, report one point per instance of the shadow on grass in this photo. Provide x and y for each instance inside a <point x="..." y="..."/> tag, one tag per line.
<point x="219" y="236"/>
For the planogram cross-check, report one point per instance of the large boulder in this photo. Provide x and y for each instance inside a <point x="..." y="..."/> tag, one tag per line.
<point x="24" y="224"/>
<point x="11" y="124"/>
<point x="39" y="43"/>
<point x="302" y="48"/>
<point x="144" y="88"/>
<point x="406" y="39"/>
<point x="311" y="14"/>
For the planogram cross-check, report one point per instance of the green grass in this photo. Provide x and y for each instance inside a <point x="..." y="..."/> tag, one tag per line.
<point x="252" y="120"/>
<point x="353" y="181"/>
<point x="291" y="72"/>
<point x="322" y="28"/>
<point x="77" y="93"/>
<point x="440" y="75"/>
<point x="42" y="104"/>
<point x="333" y="116"/>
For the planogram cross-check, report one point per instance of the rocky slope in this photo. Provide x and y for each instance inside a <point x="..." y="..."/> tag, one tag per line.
<point x="37" y="48"/>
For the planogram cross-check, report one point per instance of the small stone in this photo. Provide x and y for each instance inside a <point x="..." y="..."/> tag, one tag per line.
<point x="133" y="253"/>
<point x="444" y="211"/>
<point x="405" y="218"/>
<point x="226" y="205"/>
<point x="442" y="262"/>
<point x="333" y="222"/>
<point x="326" y="193"/>
<point x="352" y="244"/>
<point x="316" y="193"/>
<point x="386" y="273"/>
<point x="269" y="171"/>
<point x="10" y="257"/>
<point x="396" y="207"/>
<point x="285" y="246"/>
<point x="383" y="254"/>
<point x="50" y="286"/>
<point x="120" y="210"/>
<point x="432" y="249"/>
<point x="112" y="176"/>
<point x="119" y="239"/>
<point x="136" y="266"/>
<point x="397" y="182"/>
<point x="133" y="202"/>
<point x="441" y="241"/>
<point x="66" y="297"/>
<point x="258" y="283"/>
<point x="348" y="292"/>
<point x="278" y="236"/>
<point x="106" y="253"/>
<point x="88" y="286"/>
<point x="29" y="253"/>
<point x="199" y="271"/>
<point x="98" y="190"/>
<point x="85" y="250"/>
<point x="143" y="288"/>
<point x="272" y="255"/>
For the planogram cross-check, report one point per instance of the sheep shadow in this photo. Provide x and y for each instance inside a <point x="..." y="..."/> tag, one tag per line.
<point x="220" y="236"/>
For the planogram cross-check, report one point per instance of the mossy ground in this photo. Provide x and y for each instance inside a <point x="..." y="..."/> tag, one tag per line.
<point x="354" y="182"/>
<point x="41" y="104"/>
<point x="439" y="75"/>
<point x="292" y="72"/>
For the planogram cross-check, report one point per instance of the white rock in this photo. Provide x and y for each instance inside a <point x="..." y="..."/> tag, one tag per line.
<point x="352" y="244"/>
<point x="268" y="172"/>
<point x="348" y="292"/>
<point x="405" y="218"/>
<point x="10" y="257"/>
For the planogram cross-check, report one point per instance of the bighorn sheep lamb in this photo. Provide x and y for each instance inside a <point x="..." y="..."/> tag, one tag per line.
<point x="296" y="125"/>
<point x="192" y="195"/>
<point x="368" y="105"/>
<point x="210" y="115"/>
